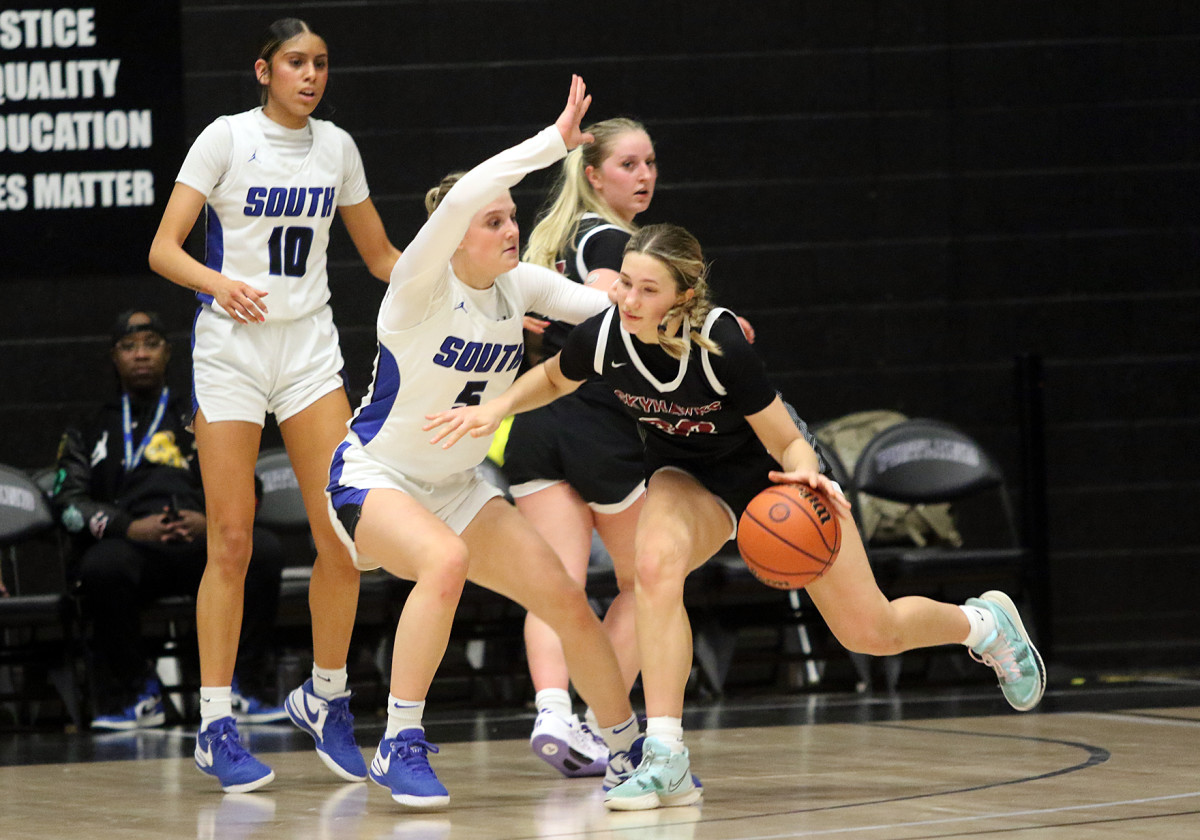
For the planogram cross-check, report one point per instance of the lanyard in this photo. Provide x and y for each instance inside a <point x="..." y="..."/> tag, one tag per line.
<point x="132" y="458"/>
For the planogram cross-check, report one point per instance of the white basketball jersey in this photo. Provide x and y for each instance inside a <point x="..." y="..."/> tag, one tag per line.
<point x="268" y="217"/>
<point x="443" y="344"/>
<point x="457" y="356"/>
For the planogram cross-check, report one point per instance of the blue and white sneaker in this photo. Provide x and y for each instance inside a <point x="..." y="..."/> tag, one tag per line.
<point x="401" y="765"/>
<point x="146" y="711"/>
<point x="662" y="780"/>
<point x="622" y="764"/>
<point x="331" y="725"/>
<point x="1010" y="653"/>
<point x="568" y="745"/>
<point x="248" y="709"/>
<point x="219" y="752"/>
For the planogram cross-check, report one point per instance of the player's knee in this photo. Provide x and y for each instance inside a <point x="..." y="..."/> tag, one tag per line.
<point x="660" y="570"/>
<point x="230" y="545"/>
<point x="451" y="564"/>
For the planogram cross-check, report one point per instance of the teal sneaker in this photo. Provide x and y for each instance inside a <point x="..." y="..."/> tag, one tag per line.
<point x="662" y="780"/>
<point x="1010" y="653"/>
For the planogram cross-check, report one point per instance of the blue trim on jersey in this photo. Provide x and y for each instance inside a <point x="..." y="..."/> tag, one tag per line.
<point x="342" y="496"/>
<point x="214" y="246"/>
<point x="335" y="471"/>
<point x="371" y="417"/>
<point x="195" y="400"/>
<point x="339" y="495"/>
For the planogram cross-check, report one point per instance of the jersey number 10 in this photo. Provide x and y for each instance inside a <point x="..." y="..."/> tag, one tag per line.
<point x="288" y="250"/>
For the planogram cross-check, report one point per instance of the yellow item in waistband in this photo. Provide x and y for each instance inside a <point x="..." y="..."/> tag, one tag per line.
<point x="500" y="441"/>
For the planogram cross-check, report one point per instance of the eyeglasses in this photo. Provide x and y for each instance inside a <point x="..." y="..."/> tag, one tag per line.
<point x="132" y="345"/>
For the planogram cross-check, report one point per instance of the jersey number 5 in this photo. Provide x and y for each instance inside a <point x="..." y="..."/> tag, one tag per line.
<point x="288" y="250"/>
<point x="470" y="395"/>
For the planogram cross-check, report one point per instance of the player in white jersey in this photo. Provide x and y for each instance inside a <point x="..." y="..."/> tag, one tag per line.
<point x="269" y="181"/>
<point x="449" y="332"/>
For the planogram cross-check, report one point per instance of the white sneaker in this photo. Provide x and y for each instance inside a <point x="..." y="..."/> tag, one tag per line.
<point x="568" y="745"/>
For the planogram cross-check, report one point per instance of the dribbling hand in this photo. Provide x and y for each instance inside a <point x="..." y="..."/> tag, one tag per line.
<point x="816" y="481"/>
<point x="569" y="121"/>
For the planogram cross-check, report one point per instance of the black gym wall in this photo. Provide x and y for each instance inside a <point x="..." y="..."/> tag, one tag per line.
<point x="902" y="197"/>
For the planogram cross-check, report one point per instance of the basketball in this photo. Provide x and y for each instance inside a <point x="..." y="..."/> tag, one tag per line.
<point x="789" y="535"/>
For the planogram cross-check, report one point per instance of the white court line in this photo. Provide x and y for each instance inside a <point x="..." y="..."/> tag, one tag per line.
<point x="977" y="818"/>
<point x="1150" y="719"/>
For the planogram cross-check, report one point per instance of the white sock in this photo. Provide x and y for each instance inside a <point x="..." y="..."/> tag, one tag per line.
<point x="216" y="702"/>
<point x="329" y="684"/>
<point x="557" y="700"/>
<point x="983" y="624"/>
<point x="403" y="714"/>
<point x="620" y="738"/>
<point x="669" y="730"/>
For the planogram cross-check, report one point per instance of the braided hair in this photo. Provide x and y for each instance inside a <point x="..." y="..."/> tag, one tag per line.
<point x="680" y="252"/>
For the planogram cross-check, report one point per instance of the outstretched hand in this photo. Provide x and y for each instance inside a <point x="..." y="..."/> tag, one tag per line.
<point x="475" y="420"/>
<point x="570" y="120"/>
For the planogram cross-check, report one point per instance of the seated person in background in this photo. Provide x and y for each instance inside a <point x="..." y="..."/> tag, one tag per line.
<point x="128" y="490"/>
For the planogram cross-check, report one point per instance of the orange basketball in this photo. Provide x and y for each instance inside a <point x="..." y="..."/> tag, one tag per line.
<point x="789" y="535"/>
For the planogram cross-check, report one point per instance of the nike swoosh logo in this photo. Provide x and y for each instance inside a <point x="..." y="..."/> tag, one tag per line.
<point x="618" y="364"/>
<point x="677" y="784"/>
<point x="315" y="718"/>
<point x="381" y="764"/>
<point x="619" y="729"/>
<point x="205" y="755"/>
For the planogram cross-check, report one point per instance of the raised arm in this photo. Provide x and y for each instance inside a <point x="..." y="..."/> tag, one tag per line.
<point x="533" y="389"/>
<point x="423" y="263"/>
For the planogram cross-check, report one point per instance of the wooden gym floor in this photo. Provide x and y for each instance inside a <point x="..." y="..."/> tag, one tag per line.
<point x="1109" y="757"/>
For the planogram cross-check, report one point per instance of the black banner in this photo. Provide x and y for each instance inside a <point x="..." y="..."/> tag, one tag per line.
<point x="91" y="134"/>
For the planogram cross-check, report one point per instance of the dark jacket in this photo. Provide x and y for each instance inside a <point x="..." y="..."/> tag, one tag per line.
<point x="93" y="494"/>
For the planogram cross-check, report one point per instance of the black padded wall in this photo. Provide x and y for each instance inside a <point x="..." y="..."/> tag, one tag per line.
<point x="901" y="196"/>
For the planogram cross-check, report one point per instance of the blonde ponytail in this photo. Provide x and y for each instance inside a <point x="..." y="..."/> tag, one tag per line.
<point x="572" y="195"/>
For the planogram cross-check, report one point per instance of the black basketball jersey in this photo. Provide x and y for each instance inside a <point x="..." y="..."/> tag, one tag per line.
<point x="690" y="408"/>
<point x="598" y="244"/>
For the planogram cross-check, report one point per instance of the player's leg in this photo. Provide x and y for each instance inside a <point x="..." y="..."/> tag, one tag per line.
<point x="311" y="437"/>
<point x="321" y="706"/>
<point x="681" y="525"/>
<point x="565" y="521"/>
<point x="395" y="531"/>
<point x="618" y="532"/>
<point x="228" y="451"/>
<point x="538" y="582"/>
<point x="865" y="621"/>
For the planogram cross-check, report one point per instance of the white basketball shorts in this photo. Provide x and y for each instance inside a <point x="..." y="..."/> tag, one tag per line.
<point x="244" y="371"/>
<point x="455" y="500"/>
